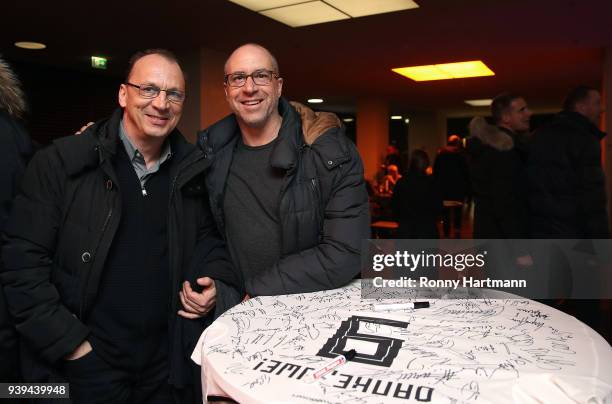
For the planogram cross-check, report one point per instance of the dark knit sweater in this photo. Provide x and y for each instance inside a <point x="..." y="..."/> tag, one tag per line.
<point x="129" y="320"/>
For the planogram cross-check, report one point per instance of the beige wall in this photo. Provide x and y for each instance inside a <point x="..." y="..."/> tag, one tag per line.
<point x="427" y="131"/>
<point x="205" y="103"/>
<point x="213" y="105"/>
<point x="372" y="134"/>
<point x="190" y="121"/>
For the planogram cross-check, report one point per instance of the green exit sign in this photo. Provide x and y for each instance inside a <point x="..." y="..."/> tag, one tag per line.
<point x="98" y="62"/>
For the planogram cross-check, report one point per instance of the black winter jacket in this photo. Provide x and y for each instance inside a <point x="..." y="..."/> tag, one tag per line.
<point x="497" y="159"/>
<point x="566" y="180"/>
<point x="15" y="151"/>
<point x="323" y="204"/>
<point x="451" y="173"/>
<point x="60" y="232"/>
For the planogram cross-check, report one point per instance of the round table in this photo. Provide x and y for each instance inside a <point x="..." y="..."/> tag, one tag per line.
<point x="492" y="350"/>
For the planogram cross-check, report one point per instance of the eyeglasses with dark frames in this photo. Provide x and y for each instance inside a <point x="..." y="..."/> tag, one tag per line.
<point x="151" y="91"/>
<point x="261" y="77"/>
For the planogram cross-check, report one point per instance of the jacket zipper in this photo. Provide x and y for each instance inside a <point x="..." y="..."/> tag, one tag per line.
<point x="282" y="194"/>
<point x="107" y="220"/>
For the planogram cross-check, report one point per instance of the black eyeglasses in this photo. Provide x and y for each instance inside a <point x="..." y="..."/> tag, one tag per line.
<point x="151" y="91"/>
<point x="261" y="77"/>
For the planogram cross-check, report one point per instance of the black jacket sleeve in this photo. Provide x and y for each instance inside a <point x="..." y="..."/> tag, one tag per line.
<point x="336" y="259"/>
<point x="584" y="153"/>
<point x="210" y="257"/>
<point x="15" y="150"/>
<point x="45" y="324"/>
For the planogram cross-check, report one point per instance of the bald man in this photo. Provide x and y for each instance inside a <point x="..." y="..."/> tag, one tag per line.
<point x="286" y="185"/>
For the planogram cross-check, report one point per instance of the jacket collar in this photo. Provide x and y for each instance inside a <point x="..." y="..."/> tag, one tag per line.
<point x="285" y="151"/>
<point x="100" y="141"/>
<point x="583" y="122"/>
<point x="498" y="138"/>
<point x="300" y="127"/>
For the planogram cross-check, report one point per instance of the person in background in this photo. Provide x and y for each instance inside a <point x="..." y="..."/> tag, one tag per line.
<point x="393" y="157"/>
<point x="497" y="158"/>
<point x="567" y="186"/>
<point x="416" y="201"/>
<point x="451" y="173"/>
<point x="15" y="151"/>
<point x="567" y="195"/>
<point x="390" y="179"/>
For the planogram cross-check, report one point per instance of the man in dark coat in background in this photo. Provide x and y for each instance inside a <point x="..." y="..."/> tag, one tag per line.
<point x="451" y="174"/>
<point x="497" y="169"/>
<point x="567" y="195"/>
<point x="15" y="151"/>
<point x="416" y="200"/>
<point x="566" y="179"/>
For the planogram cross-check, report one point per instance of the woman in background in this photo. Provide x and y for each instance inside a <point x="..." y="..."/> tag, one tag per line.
<point x="416" y="200"/>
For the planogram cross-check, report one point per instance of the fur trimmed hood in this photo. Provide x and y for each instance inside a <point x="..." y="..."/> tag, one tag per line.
<point x="12" y="98"/>
<point x="490" y="135"/>
<point x="314" y="124"/>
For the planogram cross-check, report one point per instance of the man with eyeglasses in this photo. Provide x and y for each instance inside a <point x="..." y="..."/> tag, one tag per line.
<point x="286" y="185"/>
<point x="109" y="234"/>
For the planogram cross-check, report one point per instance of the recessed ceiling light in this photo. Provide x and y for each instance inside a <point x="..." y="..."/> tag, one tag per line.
<point x="396" y="117"/>
<point x="407" y="120"/>
<point x="30" y="45"/>
<point x="348" y="119"/>
<point x="299" y="13"/>
<point x="473" y="68"/>
<point x="315" y="100"/>
<point x="479" y="103"/>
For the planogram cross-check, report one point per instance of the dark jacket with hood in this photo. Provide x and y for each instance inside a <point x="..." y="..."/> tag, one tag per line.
<point x="497" y="160"/>
<point x="566" y="180"/>
<point x="15" y="151"/>
<point x="324" y="212"/>
<point x="61" y="230"/>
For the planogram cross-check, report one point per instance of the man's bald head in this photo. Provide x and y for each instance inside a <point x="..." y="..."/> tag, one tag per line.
<point x="254" y="104"/>
<point x="250" y="49"/>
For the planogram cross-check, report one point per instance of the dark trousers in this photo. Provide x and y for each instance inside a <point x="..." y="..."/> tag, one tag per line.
<point x="92" y="380"/>
<point x="457" y="215"/>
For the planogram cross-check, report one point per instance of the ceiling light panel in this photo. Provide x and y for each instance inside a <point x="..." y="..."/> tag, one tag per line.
<point x="361" y="8"/>
<point x="259" y="5"/>
<point x="299" y="15"/>
<point x="423" y="73"/>
<point x="474" y="68"/>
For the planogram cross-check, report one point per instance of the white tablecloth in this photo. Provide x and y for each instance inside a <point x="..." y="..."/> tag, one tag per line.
<point x="457" y="351"/>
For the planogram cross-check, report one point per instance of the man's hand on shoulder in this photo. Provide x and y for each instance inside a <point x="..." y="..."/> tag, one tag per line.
<point x="197" y="305"/>
<point x="83" y="128"/>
